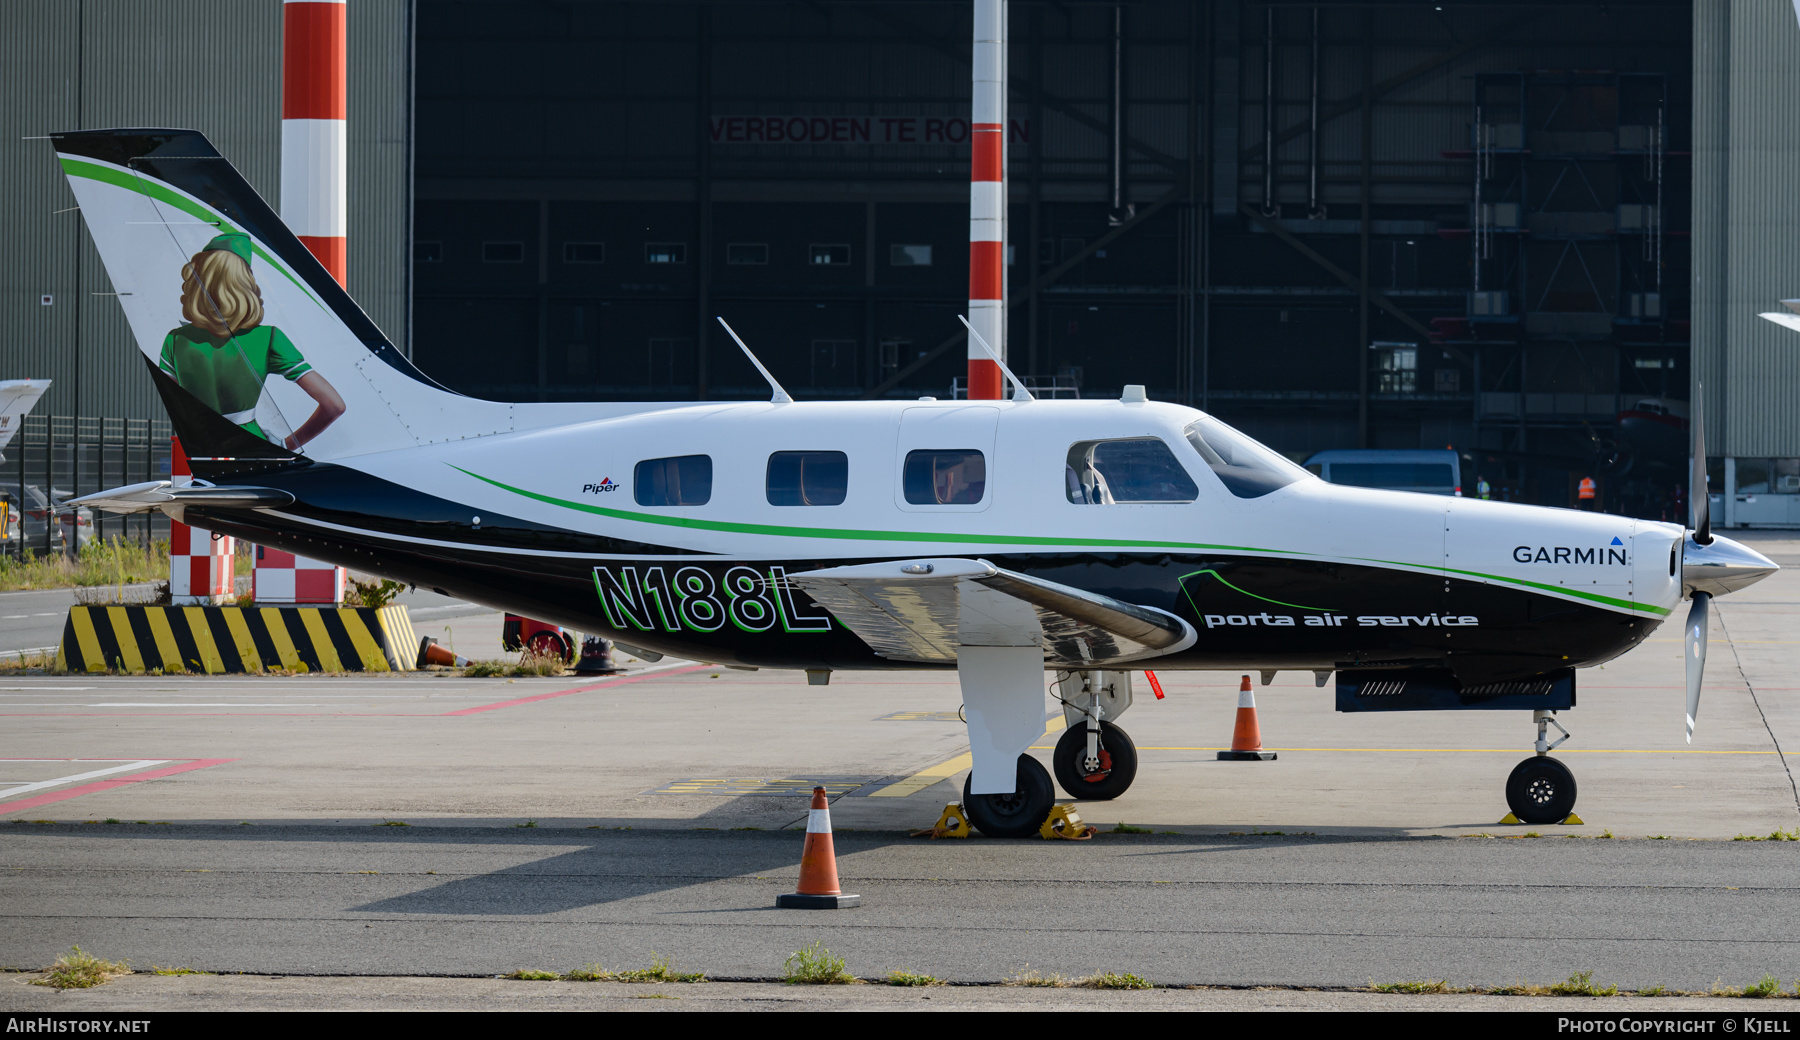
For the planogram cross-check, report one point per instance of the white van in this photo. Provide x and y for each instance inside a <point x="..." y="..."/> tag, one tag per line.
<point x="1435" y="472"/>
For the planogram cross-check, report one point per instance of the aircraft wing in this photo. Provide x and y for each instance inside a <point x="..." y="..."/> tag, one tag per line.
<point x="923" y="610"/>
<point x="165" y="495"/>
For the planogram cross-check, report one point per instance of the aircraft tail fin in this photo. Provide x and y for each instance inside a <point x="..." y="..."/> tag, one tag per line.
<point x="237" y="319"/>
<point x="17" y="398"/>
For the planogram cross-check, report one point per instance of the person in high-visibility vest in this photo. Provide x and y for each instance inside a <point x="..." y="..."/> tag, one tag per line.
<point x="1483" y="489"/>
<point x="1586" y="493"/>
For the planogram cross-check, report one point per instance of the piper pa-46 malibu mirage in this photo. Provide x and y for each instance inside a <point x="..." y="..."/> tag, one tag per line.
<point x="1002" y="538"/>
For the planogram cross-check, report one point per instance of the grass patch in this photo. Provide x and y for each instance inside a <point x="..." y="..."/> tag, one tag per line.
<point x="1125" y="828"/>
<point x="1581" y="984"/>
<point x="909" y="977"/>
<point x="154" y="970"/>
<point x="484" y="669"/>
<point x="1778" y="835"/>
<point x="1652" y="991"/>
<point x="1420" y="986"/>
<point x="532" y="665"/>
<point x="1767" y="986"/>
<point x="111" y="562"/>
<point x="657" y="996"/>
<point x="377" y="593"/>
<point x="532" y="975"/>
<point x="393" y="823"/>
<point x="815" y="966"/>
<point x="527" y="823"/>
<point x="1115" y="980"/>
<point x="1036" y="978"/>
<point x="44" y="661"/>
<point x="80" y="970"/>
<point x="661" y="970"/>
<point x="1520" y="989"/>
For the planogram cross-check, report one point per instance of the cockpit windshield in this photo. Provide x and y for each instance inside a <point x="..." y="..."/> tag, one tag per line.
<point x="1246" y="468"/>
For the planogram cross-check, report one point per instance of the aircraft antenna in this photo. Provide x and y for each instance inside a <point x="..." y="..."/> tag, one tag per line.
<point x="1019" y="391"/>
<point x="780" y="396"/>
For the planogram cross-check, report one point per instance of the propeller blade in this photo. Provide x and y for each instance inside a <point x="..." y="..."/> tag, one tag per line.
<point x="1699" y="501"/>
<point x="1693" y="645"/>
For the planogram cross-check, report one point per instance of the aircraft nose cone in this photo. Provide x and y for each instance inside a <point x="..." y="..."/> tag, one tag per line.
<point x="1722" y="566"/>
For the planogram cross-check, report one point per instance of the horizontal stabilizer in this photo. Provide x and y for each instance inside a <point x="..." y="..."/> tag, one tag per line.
<point x="925" y="610"/>
<point x="165" y="495"/>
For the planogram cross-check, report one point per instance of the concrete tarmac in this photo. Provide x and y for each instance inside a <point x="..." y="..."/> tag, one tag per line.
<point x="1375" y="876"/>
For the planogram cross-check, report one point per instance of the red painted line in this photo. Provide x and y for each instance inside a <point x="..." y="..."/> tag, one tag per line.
<point x="578" y="689"/>
<point x="107" y="785"/>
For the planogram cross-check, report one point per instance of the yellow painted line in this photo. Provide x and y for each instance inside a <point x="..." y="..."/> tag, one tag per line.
<point x="87" y="639"/>
<point x="284" y="644"/>
<point x="924" y="778"/>
<point x="210" y="661"/>
<point x="373" y="660"/>
<point x="321" y="639"/>
<point x="128" y="648"/>
<point x="240" y="634"/>
<point x="165" y="638"/>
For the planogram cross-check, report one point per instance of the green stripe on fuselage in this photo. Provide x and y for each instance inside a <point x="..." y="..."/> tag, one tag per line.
<point x="851" y="534"/>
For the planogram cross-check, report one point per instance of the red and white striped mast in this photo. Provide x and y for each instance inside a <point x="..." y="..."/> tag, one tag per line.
<point x="314" y="162"/>
<point x="987" y="199"/>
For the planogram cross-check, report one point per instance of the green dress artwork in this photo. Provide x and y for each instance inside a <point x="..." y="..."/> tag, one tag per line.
<point x="223" y="353"/>
<point x="227" y="372"/>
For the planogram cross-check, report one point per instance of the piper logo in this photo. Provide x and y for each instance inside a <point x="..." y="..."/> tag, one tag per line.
<point x="1570" y="554"/>
<point x="606" y="484"/>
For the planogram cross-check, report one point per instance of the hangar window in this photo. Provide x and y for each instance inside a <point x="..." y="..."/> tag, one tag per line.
<point x="584" y="252"/>
<point x="665" y="253"/>
<point x="1138" y="469"/>
<point x="502" y="252"/>
<point x="685" y="480"/>
<point x="828" y="255"/>
<point x="428" y="252"/>
<point x="909" y="256"/>
<point x="747" y="254"/>
<point x="1246" y="468"/>
<point x="944" y="477"/>
<point x="808" y="478"/>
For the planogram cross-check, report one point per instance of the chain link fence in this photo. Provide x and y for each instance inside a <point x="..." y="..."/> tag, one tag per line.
<point x="55" y="458"/>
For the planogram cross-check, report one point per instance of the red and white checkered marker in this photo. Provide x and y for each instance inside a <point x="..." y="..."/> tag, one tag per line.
<point x="200" y="562"/>
<point x="282" y="577"/>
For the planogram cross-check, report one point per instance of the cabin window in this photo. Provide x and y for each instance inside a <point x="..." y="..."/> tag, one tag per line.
<point x="1141" y="469"/>
<point x="808" y="478"/>
<point x="1246" y="468"/>
<point x="685" y="480"/>
<point x="945" y="477"/>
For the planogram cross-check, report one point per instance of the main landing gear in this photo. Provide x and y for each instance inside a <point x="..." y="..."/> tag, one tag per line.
<point x="1018" y="814"/>
<point x="1541" y="789"/>
<point x="1094" y="758"/>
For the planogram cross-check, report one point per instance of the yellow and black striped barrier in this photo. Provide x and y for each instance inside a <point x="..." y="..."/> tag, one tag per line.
<point x="218" y="640"/>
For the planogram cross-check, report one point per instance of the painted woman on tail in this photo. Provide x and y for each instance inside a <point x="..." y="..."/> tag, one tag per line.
<point x="224" y="353"/>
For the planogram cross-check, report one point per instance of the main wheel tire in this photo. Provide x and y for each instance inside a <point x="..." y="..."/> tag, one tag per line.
<point x="549" y="644"/>
<point x="1541" y="790"/>
<point x="1015" y="815"/>
<point x="1118" y="762"/>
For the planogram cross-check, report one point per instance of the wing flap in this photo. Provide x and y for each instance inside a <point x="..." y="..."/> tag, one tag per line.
<point x="924" y="610"/>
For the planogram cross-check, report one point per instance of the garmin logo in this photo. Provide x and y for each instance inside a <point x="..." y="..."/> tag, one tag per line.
<point x="1571" y="554"/>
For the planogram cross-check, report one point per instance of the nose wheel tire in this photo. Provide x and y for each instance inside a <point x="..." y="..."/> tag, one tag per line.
<point x="1541" y="790"/>
<point x="1118" y="762"/>
<point x="1015" y="815"/>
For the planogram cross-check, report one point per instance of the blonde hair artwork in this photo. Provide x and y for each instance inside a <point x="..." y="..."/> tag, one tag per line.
<point x="219" y="294"/>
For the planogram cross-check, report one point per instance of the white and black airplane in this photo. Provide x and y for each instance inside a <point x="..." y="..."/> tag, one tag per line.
<point x="1005" y="539"/>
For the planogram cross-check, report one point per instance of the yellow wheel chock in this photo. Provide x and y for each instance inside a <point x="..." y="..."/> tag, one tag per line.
<point x="1064" y="822"/>
<point x="954" y="823"/>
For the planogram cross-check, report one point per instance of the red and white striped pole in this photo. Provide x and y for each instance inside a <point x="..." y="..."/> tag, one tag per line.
<point x="314" y="163"/>
<point x="987" y="199"/>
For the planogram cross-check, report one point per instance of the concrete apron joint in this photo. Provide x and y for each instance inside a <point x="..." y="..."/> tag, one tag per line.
<point x="1748" y="685"/>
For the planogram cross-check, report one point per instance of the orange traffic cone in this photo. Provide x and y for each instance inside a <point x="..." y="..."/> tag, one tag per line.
<point x="818" y="888"/>
<point x="1246" y="737"/>
<point x="431" y="653"/>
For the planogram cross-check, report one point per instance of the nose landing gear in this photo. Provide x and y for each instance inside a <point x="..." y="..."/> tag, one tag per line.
<point x="1541" y="789"/>
<point x="1094" y="758"/>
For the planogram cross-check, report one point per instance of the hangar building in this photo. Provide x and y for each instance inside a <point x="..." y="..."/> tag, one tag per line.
<point x="1522" y="230"/>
